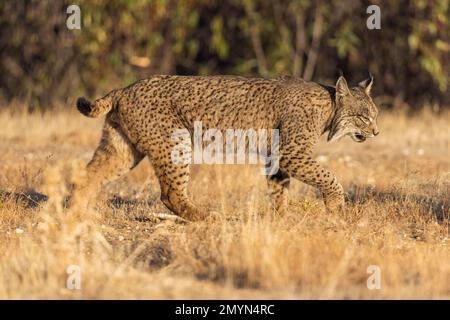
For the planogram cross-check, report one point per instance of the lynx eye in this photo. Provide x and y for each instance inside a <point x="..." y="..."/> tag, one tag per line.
<point x="365" y="119"/>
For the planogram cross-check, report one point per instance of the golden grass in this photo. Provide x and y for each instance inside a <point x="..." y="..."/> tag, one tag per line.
<point x="397" y="218"/>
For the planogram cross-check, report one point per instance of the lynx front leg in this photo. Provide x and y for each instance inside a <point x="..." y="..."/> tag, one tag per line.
<point x="278" y="188"/>
<point x="307" y="170"/>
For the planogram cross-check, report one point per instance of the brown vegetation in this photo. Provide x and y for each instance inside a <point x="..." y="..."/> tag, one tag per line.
<point x="397" y="218"/>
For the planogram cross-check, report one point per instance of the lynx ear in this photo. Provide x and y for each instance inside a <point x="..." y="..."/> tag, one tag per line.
<point x="342" y="87"/>
<point x="367" y="84"/>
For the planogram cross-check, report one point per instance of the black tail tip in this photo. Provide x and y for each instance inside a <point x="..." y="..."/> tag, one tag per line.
<point x="84" y="106"/>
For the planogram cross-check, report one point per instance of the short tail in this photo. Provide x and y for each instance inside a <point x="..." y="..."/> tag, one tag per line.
<point x="98" y="108"/>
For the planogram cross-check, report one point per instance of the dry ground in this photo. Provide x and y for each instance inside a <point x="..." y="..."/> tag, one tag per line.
<point x="397" y="219"/>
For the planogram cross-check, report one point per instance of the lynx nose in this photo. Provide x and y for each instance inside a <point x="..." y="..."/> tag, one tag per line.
<point x="376" y="131"/>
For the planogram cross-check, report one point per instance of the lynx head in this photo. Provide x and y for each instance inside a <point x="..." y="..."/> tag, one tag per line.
<point x="356" y="113"/>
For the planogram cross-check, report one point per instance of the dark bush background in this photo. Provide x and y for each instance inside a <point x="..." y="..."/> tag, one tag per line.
<point x="44" y="64"/>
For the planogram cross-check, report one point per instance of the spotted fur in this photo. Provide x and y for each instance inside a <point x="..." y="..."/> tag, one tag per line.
<point x="141" y="118"/>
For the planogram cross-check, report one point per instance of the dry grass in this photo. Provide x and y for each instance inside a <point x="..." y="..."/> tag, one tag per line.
<point x="397" y="218"/>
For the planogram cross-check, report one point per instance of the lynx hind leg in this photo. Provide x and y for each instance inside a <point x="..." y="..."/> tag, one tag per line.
<point x="114" y="157"/>
<point x="278" y="185"/>
<point x="174" y="181"/>
<point x="173" y="176"/>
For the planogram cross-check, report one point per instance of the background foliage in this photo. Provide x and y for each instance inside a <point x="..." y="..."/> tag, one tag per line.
<point x="43" y="63"/>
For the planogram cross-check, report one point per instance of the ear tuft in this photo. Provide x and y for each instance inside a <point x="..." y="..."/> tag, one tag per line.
<point x="367" y="84"/>
<point x="342" y="87"/>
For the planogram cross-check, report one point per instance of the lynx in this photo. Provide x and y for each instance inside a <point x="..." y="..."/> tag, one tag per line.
<point x="141" y="118"/>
